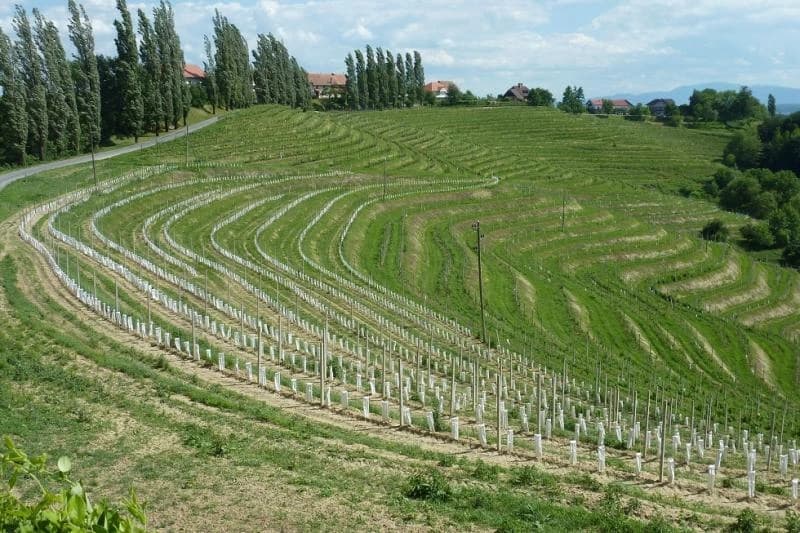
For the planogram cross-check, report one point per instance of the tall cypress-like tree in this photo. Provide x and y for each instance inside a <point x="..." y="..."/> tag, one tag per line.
<point x="262" y="61"/>
<point x="302" y="90"/>
<point x="401" y="81"/>
<point x="85" y="76"/>
<point x="13" y="117"/>
<point x="110" y="98"/>
<point x="352" y="82"/>
<point x="419" y="76"/>
<point x="161" y="27"/>
<point x="174" y="90"/>
<point x="233" y="72"/>
<point x="130" y="116"/>
<point x="391" y="80"/>
<point x="372" y="80"/>
<point x="32" y="74"/>
<point x="410" y="80"/>
<point x="153" y="115"/>
<point x="380" y="74"/>
<point x="62" y="113"/>
<point x="210" y="67"/>
<point x="363" y="85"/>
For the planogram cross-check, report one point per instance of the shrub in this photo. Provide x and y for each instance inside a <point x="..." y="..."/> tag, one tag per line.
<point x="429" y="486"/>
<point x="791" y="255"/>
<point x="792" y="522"/>
<point x="744" y="149"/>
<point x="757" y="236"/>
<point x="746" y="522"/>
<point x="66" y="510"/>
<point x="485" y="472"/>
<point x="715" y="231"/>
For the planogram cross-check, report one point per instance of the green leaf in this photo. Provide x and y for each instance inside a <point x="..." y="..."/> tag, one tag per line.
<point x="64" y="464"/>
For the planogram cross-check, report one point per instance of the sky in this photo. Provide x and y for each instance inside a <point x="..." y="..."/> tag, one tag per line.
<point x="607" y="47"/>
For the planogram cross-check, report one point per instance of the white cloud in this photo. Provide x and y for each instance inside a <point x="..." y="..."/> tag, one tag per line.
<point x="437" y="58"/>
<point x="360" y="31"/>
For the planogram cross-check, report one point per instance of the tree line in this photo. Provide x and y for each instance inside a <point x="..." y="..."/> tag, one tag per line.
<point x="761" y="180"/>
<point x="233" y="82"/>
<point x="52" y="106"/>
<point x="380" y="80"/>
<point x="49" y="106"/>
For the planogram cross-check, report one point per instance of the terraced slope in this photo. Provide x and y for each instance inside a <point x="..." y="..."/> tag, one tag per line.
<point x="299" y="307"/>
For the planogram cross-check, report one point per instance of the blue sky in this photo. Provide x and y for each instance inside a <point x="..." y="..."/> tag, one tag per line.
<point x="605" y="46"/>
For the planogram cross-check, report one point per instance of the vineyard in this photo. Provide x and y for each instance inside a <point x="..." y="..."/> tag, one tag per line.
<point x="293" y="321"/>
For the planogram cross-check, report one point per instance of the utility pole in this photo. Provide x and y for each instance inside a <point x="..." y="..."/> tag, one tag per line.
<point x="384" y="177"/>
<point x="187" y="141"/>
<point x="94" y="167"/>
<point x="477" y="227"/>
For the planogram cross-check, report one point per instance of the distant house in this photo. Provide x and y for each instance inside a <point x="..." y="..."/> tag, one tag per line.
<point x="327" y="85"/>
<point x="193" y="75"/>
<point x="518" y="92"/>
<point x="438" y="88"/>
<point x="621" y="107"/>
<point x="658" y="107"/>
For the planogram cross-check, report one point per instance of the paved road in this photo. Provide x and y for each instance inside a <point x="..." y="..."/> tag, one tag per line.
<point x="14" y="175"/>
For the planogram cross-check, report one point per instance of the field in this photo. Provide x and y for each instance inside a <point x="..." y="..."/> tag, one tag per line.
<point x="278" y="326"/>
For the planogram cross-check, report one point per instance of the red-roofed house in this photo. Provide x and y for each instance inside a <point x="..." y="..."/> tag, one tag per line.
<point x="327" y="85"/>
<point x="438" y="88"/>
<point x="193" y="75"/>
<point x="621" y="107"/>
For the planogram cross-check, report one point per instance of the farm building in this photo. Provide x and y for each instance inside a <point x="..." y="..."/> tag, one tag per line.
<point x="193" y="75"/>
<point x="438" y="88"/>
<point x="621" y="107"/>
<point x="658" y="107"/>
<point x="327" y="85"/>
<point x="518" y="92"/>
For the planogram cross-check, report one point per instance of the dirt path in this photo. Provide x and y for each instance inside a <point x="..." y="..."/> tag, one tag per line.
<point x="12" y="176"/>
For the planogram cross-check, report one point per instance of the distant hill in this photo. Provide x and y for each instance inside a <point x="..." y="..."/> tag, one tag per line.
<point x="784" y="96"/>
<point x="787" y="109"/>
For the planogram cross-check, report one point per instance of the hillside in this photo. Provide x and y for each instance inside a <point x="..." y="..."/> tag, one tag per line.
<point x="231" y="336"/>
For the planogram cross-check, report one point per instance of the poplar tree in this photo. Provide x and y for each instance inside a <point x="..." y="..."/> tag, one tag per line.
<point x="419" y="77"/>
<point x="110" y="98"/>
<point x="302" y="90"/>
<point x="32" y="75"/>
<point x="174" y="90"/>
<point x="85" y="76"/>
<point x="410" y="83"/>
<point x="363" y="86"/>
<point x="401" y="81"/>
<point x="391" y="80"/>
<point x="262" y="61"/>
<point x="13" y="118"/>
<point x="130" y="116"/>
<point x="372" y="79"/>
<point x="352" y="82"/>
<point x="233" y="72"/>
<point x="64" y="132"/>
<point x="153" y="115"/>
<point x="380" y="75"/>
<point x="211" y="76"/>
<point x="166" y="83"/>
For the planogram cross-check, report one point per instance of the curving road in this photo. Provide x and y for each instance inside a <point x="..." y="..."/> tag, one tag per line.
<point x="14" y="175"/>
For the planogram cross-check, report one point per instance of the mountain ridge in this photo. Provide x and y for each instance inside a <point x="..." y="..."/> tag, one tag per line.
<point x="784" y="96"/>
